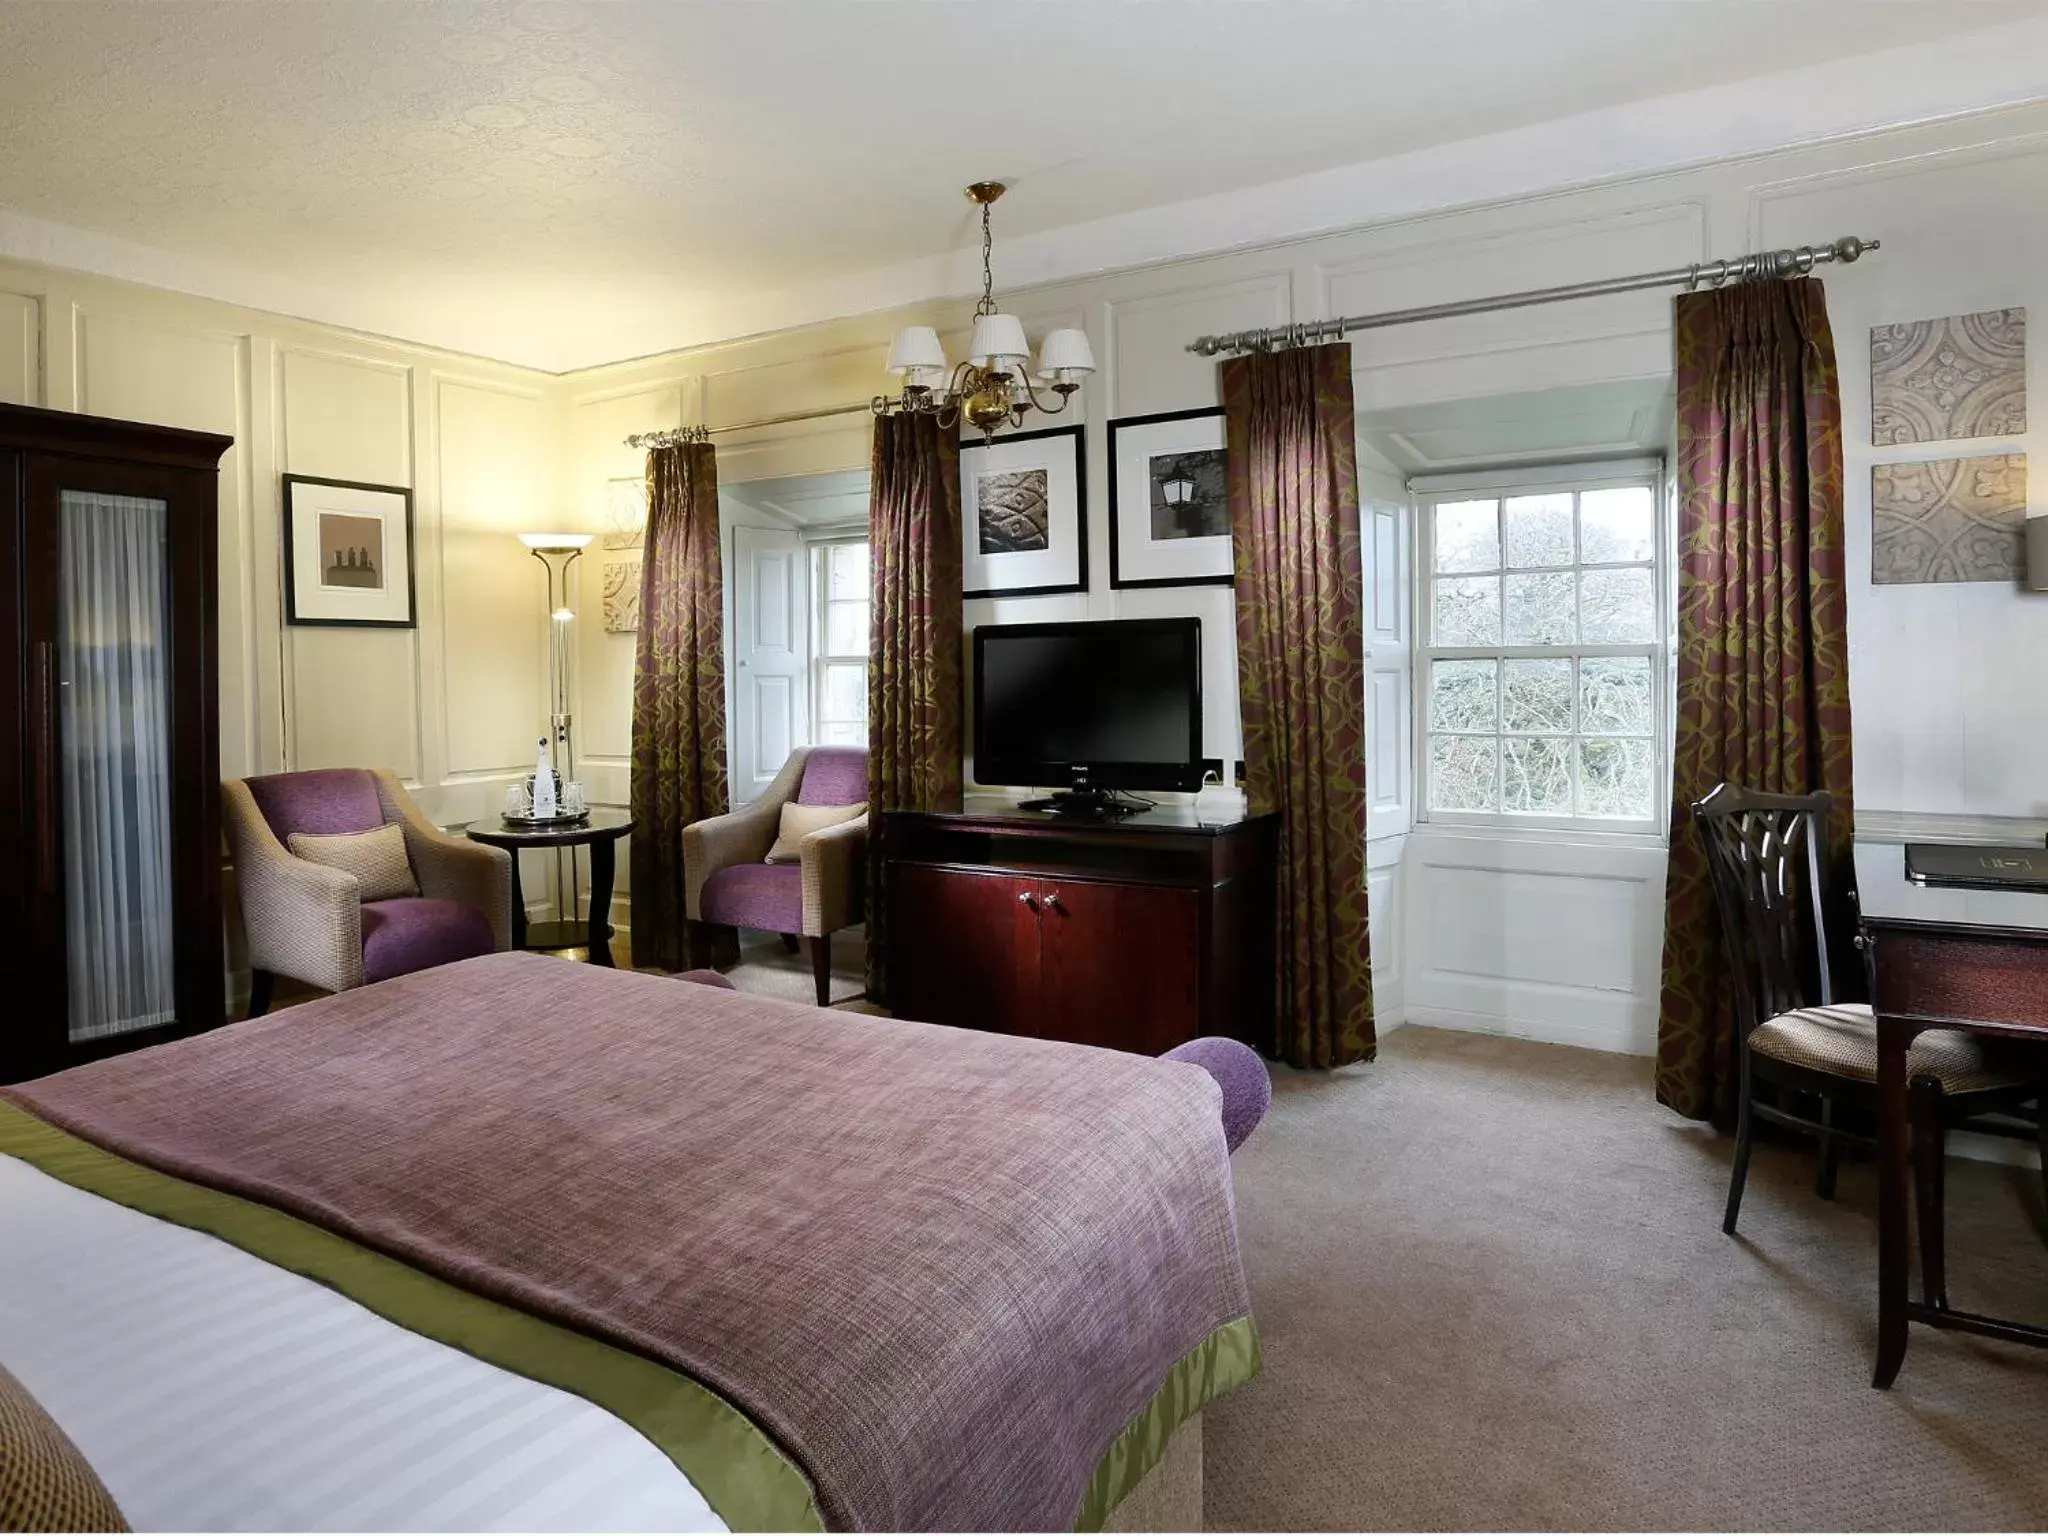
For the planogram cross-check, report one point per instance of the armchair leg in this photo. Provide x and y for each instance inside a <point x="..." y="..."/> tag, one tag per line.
<point x="261" y="985"/>
<point x="820" y="946"/>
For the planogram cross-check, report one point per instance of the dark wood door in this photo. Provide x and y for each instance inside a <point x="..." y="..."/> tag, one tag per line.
<point x="17" y="874"/>
<point x="1119" y="965"/>
<point x="964" y="948"/>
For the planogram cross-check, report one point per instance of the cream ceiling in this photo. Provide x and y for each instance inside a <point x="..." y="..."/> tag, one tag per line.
<point x="561" y="181"/>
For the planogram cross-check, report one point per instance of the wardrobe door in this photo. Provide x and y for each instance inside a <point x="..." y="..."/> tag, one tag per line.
<point x="17" y="875"/>
<point x="122" y="721"/>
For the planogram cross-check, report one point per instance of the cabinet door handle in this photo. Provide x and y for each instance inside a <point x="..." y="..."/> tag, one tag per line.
<point x="1027" y="899"/>
<point x="46" y="765"/>
<point x="1052" y="902"/>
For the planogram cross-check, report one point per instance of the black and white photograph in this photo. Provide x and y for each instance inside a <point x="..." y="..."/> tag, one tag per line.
<point x="1023" y="513"/>
<point x="1189" y="500"/>
<point x="347" y="553"/>
<point x="1169" y="501"/>
<point x="1015" y="516"/>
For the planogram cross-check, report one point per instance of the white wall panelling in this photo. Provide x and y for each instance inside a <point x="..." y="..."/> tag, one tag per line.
<point x="21" y="349"/>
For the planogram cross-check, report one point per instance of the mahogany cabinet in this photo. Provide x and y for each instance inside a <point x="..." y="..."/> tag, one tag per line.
<point x="1137" y="935"/>
<point x="110" y="902"/>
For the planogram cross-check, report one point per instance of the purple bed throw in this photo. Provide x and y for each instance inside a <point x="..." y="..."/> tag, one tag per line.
<point x="942" y="1269"/>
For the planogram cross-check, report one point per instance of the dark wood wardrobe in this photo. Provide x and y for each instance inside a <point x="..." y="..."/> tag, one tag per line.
<point x="110" y="861"/>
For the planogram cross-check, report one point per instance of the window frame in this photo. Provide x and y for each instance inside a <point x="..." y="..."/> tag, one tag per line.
<point x="818" y="553"/>
<point x="1433" y="491"/>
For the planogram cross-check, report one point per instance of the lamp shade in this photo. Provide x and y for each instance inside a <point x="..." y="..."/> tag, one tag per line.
<point x="1066" y="356"/>
<point x="999" y="343"/>
<point x="915" y="351"/>
<point x="555" y="542"/>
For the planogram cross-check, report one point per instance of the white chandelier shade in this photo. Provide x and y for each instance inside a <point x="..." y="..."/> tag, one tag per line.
<point x="916" y="356"/>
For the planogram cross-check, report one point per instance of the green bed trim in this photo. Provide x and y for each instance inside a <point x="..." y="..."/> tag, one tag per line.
<point x="1227" y="1359"/>
<point x="741" y="1473"/>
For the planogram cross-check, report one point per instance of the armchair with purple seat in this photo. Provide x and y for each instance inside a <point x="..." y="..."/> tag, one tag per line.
<point x="728" y="885"/>
<point x="308" y="921"/>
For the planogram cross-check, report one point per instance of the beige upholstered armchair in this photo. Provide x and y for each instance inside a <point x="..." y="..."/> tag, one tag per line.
<point x="727" y="885"/>
<point x="450" y="899"/>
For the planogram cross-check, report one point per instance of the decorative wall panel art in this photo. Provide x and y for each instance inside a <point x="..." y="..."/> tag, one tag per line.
<point x="1936" y="380"/>
<point x="1948" y="520"/>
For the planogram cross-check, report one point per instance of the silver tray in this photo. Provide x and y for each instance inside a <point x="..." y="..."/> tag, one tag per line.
<point x="565" y="819"/>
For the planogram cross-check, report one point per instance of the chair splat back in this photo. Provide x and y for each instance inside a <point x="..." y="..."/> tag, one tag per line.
<point x="1766" y="854"/>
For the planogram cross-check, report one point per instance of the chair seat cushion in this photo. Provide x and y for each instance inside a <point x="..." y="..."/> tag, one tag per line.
<point x="414" y="933"/>
<point x="769" y="896"/>
<point x="1841" y="1041"/>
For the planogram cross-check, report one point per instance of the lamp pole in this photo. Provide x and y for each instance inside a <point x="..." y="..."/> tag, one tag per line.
<point x="558" y="554"/>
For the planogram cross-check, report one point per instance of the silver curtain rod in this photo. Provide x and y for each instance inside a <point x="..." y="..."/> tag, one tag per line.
<point x="1793" y="262"/>
<point x="674" y="435"/>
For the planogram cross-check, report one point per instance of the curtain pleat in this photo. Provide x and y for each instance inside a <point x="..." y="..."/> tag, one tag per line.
<point x="914" y="643"/>
<point x="1292" y="467"/>
<point x="115" y="722"/>
<point x="678" y="692"/>
<point x="1763" y="658"/>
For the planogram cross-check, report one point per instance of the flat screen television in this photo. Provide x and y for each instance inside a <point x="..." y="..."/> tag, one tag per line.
<point x="1096" y="707"/>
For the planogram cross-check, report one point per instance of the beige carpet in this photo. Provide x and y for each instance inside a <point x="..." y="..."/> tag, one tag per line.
<point x="1494" y="1293"/>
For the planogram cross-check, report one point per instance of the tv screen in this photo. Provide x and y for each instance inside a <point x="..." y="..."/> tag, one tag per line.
<point x="1114" y="705"/>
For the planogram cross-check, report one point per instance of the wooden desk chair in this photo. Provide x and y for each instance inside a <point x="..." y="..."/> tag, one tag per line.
<point x="1767" y="855"/>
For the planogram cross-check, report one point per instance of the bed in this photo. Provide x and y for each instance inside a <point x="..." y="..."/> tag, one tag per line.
<point x="517" y="1244"/>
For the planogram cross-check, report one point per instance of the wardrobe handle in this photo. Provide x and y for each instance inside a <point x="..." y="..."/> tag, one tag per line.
<point x="46" y="765"/>
<point x="1025" y="898"/>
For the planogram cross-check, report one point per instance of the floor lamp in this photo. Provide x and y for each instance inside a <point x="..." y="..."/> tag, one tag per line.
<point x="558" y="554"/>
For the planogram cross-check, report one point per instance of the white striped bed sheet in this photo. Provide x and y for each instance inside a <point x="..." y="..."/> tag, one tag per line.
<point x="215" y="1392"/>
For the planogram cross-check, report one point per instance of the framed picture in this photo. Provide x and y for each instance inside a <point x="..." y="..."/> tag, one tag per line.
<point x="1169" y="511"/>
<point x="1024" y="515"/>
<point x="347" y="553"/>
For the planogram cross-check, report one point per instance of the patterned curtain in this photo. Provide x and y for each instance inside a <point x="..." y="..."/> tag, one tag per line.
<point x="678" y="692"/>
<point x="914" y="642"/>
<point x="1763" y="659"/>
<point x="1292" y="467"/>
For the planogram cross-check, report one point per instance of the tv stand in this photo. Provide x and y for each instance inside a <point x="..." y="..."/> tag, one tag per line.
<point x="1138" y="934"/>
<point x="1085" y="805"/>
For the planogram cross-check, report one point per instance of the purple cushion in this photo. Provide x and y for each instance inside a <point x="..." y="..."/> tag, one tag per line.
<point x="321" y="800"/>
<point x="707" y="979"/>
<point x="835" y="776"/>
<point x="769" y="896"/>
<point x="414" y="933"/>
<point x="1247" y="1089"/>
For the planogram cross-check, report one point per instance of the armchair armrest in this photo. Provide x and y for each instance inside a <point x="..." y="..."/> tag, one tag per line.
<point x="835" y="869"/>
<point x="303" y="920"/>
<point x="718" y="842"/>
<point x="451" y="868"/>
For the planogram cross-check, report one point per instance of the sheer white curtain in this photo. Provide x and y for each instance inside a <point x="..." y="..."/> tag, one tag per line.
<point x="115" y="719"/>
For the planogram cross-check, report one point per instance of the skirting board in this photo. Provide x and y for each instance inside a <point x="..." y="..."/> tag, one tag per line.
<point x="1617" y="1039"/>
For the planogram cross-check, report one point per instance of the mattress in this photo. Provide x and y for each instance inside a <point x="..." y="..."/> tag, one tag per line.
<point x="214" y="1391"/>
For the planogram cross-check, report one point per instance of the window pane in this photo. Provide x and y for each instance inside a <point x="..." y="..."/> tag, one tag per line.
<point x="849" y="563"/>
<point x="1617" y="607"/>
<point x="1468" y="610"/>
<point x="1615" y="778"/>
<point x="1616" y="525"/>
<point x="846" y="629"/>
<point x="1537" y="695"/>
<point x="1536" y="775"/>
<point x="1462" y="773"/>
<point x="846" y="691"/>
<point x="1539" y="609"/>
<point x="1461" y="696"/>
<point x="1614" y="694"/>
<point x="1539" y="529"/>
<point x="843" y="735"/>
<point x="1468" y="536"/>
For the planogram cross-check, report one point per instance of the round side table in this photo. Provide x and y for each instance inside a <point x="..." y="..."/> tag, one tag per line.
<point x="600" y="834"/>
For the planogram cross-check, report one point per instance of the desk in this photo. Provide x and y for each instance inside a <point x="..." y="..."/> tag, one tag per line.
<point x="1939" y="958"/>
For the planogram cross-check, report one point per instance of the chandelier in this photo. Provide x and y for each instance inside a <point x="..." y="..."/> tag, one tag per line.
<point x="993" y="387"/>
